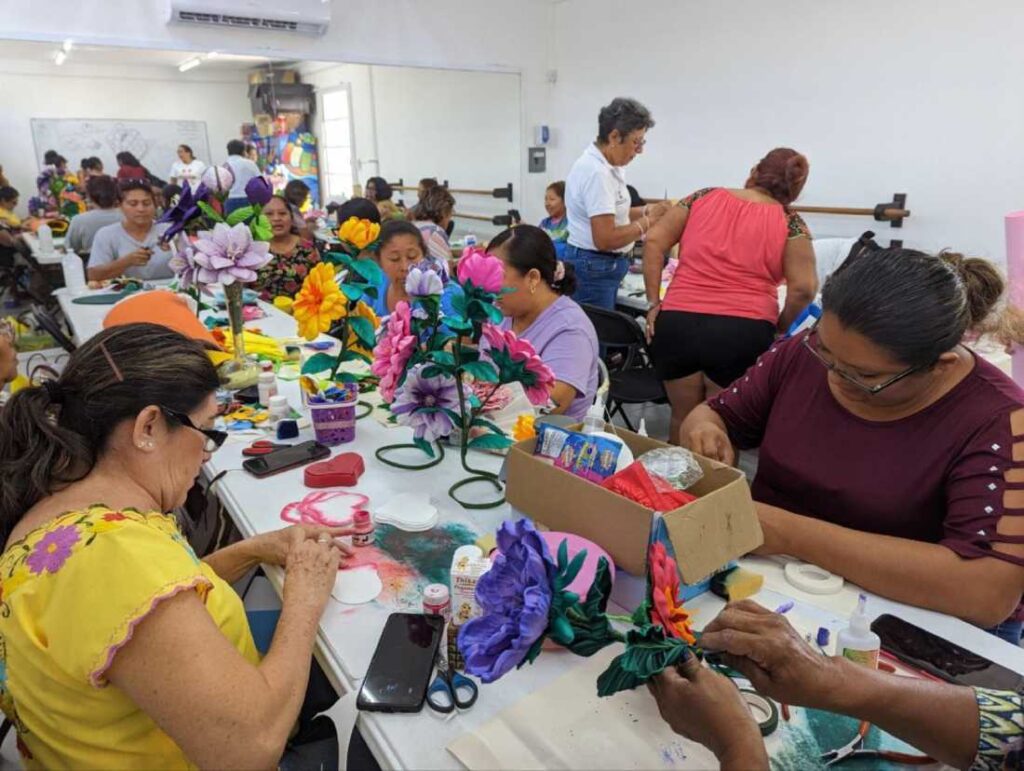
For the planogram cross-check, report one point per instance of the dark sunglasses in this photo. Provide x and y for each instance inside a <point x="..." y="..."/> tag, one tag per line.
<point x="810" y="342"/>
<point x="214" y="438"/>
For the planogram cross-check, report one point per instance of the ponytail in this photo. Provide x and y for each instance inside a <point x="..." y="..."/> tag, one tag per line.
<point x="984" y="288"/>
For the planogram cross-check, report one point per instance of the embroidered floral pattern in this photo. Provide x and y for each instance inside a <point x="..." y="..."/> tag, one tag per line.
<point x="53" y="550"/>
<point x="692" y="198"/>
<point x="284" y="274"/>
<point x="797" y="228"/>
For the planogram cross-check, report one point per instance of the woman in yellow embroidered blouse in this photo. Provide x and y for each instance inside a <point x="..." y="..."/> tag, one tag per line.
<point x="118" y="647"/>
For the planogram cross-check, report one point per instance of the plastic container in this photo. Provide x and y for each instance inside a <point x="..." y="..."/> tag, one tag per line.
<point x="364" y="528"/>
<point x="45" y="236"/>
<point x="266" y="384"/>
<point x="594" y="420"/>
<point x="74" y="272"/>
<point x="437" y="601"/>
<point x="279" y="408"/>
<point x="334" y="423"/>
<point x="857" y="642"/>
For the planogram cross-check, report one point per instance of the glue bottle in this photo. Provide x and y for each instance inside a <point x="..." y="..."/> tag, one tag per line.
<point x="594" y="421"/>
<point x="266" y="384"/>
<point x="857" y="642"/>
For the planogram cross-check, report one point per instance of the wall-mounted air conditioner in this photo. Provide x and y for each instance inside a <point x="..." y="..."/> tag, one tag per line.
<point x="309" y="17"/>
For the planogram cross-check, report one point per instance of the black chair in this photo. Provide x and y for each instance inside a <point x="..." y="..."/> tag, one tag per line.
<point x="632" y="379"/>
<point x="48" y="323"/>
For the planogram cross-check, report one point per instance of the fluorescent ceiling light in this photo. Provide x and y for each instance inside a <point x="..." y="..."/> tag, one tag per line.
<point x="59" y="58"/>
<point x="212" y="55"/>
<point x="189" y="64"/>
<point x="66" y="47"/>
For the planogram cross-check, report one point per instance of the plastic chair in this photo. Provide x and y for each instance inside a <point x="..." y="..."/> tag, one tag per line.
<point x="49" y="324"/>
<point x="631" y="376"/>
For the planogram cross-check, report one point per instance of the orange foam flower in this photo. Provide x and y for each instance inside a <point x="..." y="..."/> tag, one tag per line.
<point x="319" y="303"/>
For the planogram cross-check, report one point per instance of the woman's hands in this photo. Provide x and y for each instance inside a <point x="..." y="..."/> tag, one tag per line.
<point x="274" y="547"/>
<point x="710" y="440"/>
<point x="311" y="563"/>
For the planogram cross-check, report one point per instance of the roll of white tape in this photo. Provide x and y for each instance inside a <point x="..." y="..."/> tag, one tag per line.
<point x="812" y="579"/>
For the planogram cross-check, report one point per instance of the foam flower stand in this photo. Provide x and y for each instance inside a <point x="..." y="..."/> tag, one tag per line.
<point x="239" y="371"/>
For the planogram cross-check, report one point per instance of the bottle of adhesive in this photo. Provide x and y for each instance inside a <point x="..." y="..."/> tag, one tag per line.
<point x="363" y="535"/>
<point x="266" y="385"/>
<point x="594" y="421"/>
<point x="857" y="642"/>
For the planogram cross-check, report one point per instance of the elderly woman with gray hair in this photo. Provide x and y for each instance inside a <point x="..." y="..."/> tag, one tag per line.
<point x="602" y="224"/>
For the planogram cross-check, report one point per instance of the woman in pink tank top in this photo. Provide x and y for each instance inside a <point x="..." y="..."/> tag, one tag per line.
<point x="721" y="310"/>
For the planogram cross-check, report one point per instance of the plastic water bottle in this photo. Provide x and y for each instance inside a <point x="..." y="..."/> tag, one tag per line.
<point x="74" y="272"/>
<point x="45" y="234"/>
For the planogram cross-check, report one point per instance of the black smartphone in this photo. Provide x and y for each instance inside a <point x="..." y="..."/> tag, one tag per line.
<point x="400" y="670"/>
<point x="250" y="395"/>
<point x="286" y="458"/>
<point x="937" y="656"/>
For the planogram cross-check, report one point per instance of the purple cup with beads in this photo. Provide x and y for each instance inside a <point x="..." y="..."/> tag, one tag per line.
<point x="334" y="414"/>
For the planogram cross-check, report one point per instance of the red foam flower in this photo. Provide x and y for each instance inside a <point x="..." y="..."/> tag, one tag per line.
<point x="666" y="607"/>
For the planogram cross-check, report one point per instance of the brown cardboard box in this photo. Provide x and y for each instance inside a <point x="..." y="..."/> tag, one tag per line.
<point x="721" y="525"/>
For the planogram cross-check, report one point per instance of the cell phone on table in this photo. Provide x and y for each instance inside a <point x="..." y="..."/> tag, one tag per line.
<point x="286" y="458"/>
<point x="941" y="658"/>
<point x="401" y="667"/>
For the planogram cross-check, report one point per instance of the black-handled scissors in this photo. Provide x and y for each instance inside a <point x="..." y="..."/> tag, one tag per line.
<point x="450" y="689"/>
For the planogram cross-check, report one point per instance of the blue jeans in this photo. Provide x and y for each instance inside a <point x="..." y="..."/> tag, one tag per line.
<point x="1009" y="630"/>
<point x="598" y="276"/>
<point x="234" y="203"/>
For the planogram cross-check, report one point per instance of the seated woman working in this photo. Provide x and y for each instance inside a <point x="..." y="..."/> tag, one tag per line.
<point x="131" y="247"/>
<point x="293" y="255"/>
<point x="399" y="249"/>
<point x="146" y="657"/>
<point x="889" y="451"/>
<point x="433" y="216"/>
<point x="540" y="311"/>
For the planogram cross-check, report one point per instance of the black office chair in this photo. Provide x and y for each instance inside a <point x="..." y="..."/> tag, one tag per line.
<point x="48" y="323"/>
<point x="632" y="379"/>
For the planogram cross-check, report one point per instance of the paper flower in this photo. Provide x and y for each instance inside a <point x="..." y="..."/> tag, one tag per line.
<point x="421" y="403"/>
<point x="515" y="596"/>
<point x="423" y="283"/>
<point x="259" y="190"/>
<point x="482" y="270"/>
<point x="666" y="609"/>
<point x="319" y="303"/>
<point x="184" y="210"/>
<point x="359" y="233"/>
<point x="228" y="254"/>
<point x="517" y="360"/>
<point x="183" y="263"/>
<point x="395" y="346"/>
<point x="218" y="179"/>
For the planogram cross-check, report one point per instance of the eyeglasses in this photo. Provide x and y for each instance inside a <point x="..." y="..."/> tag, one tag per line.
<point x="214" y="438"/>
<point x="811" y="343"/>
<point x="638" y="144"/>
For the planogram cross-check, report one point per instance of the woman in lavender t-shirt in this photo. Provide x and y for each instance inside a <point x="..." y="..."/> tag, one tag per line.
<point x="540" y="311"/>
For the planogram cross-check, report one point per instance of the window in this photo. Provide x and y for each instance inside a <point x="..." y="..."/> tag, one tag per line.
<point x="337" y="155"/>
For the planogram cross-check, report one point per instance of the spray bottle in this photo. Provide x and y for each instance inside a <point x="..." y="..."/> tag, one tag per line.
<point x="857" y="642"/>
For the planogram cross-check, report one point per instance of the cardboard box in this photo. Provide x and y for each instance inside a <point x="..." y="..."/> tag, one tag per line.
<point x="720" y="526"/>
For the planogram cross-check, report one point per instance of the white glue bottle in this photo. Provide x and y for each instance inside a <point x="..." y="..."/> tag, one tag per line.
<point x="594" y="422"/>
<point x="857" y="642"/>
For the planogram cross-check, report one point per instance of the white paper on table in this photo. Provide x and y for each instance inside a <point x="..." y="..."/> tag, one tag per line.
<point x="566" y="725"/>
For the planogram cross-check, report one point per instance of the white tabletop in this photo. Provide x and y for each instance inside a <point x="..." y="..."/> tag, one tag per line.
<point x="347" y="635"/>
<point x="48" y="258"/>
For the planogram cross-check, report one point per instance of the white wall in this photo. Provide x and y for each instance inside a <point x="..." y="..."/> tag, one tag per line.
<point x="913" y="96"/>
<point x="46" y="91"/>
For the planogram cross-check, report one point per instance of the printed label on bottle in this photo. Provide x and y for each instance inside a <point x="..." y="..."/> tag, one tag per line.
<point x="867" y="658"/>
<point x="362" y="539"/>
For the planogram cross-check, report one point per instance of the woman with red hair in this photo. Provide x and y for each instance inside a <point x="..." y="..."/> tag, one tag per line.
<point x="721" y="310"/>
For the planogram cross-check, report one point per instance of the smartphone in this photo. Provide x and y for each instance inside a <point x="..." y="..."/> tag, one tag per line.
<point x="286" y="458"/>
<point x="401" y="667"/>
<point x="250" y="395"/>
<point x="940" y="657"/>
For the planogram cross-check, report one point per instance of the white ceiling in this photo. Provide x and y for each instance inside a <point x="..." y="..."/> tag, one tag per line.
<point x="121" y="57"/>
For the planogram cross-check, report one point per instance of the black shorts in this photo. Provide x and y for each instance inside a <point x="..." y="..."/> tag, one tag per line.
<point x="722" y="347"/>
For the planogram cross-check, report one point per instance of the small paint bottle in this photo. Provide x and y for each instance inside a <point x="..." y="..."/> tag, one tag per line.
<point x="437" y="601"/>
<point x="266" y="384"/>
<point x="363" y="522"/>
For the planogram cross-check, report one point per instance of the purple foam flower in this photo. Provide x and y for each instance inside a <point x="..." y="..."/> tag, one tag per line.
<point x="259" y="191"/>
<point x="219" y="179"/>
<point x="183" y="263"/>
<point x="421" y="401"/>
<point x="515" y="596"/>
<point x="184" y="211"/>
<point x="53" y="550"/>
<point x="423" y="283"/>
<point x="228" y="254"/>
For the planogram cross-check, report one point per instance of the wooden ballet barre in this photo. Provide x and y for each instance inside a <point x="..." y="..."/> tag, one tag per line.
<point x="496" y="192"/>
<point x="893" y="212"/>
<point x="501" y="220"/>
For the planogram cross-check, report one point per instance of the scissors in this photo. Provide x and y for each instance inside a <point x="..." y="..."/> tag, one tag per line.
<point x="262" y="447"/>
<point x="449" y="688"/>
<point x="854" y="750"/>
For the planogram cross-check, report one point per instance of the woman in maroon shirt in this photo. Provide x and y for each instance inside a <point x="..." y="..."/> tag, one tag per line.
<point x="890" y="454"/>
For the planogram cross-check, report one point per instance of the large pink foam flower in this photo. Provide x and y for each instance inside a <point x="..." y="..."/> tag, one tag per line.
<point x="228" y="254"/>
<point x="483" y="270"/>
<point x="517" y="361"/>
<point x="395" y="346"/>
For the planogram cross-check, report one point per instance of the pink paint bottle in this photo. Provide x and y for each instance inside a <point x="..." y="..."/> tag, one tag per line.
<point x="364" y="528"/>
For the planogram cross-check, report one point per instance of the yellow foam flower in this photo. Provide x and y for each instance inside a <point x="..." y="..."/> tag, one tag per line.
<point x="319" y="303"/>
<point x="364" y="310"/>
<point x="524" y="427"/>
<point x="359" y="233"/>
<point x="284" y="303"/>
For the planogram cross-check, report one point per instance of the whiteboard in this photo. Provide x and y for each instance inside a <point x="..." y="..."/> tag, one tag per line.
<point x="153" y="142"/>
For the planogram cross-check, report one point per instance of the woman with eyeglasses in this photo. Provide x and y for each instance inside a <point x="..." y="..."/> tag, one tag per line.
<point x="890" y="453"/>
<point x="118" y="646"/>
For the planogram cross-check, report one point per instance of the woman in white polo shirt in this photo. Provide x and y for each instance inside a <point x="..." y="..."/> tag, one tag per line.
<point x="602" y="225"/>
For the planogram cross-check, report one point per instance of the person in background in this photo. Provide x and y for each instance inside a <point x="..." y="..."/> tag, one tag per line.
<point x="888" y="448"/>
<point x="103" y="194"/>
<point x="3" y="178"/>
<point x="8" y="355"/>
<point x="252" y="152"/>
<point x="555" y="224"/>
<point x="11" y="241"/>
<point x="55" y="159"/>
<point x="170" y="194"/>
<point x="539" y="310"/>
<point x="130" y="422"/>
<point x="293" y="254"/>
<point x="128" y="167"/>
<point x="8" y="202"/>
<point x="244" y="170"/>
<point x="433" y="216"/>
<point x="132" y="246"/>
<point x="91" y="167"/>
<point x="400" y="248"/>
<point x="721" y="310"/>
<point x="379" y="191"/>
<point x="360" y="208"/>
<point x="962" y="727"/>
<point x="423" y="186"/>
<point x="187" y="168"/>
<point x="297" y="193"/>
<point x="602" y="224"/>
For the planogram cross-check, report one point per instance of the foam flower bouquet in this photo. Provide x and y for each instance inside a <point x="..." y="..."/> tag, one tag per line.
<point x="433" y="346"/>
<point x="525" y="602"/>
